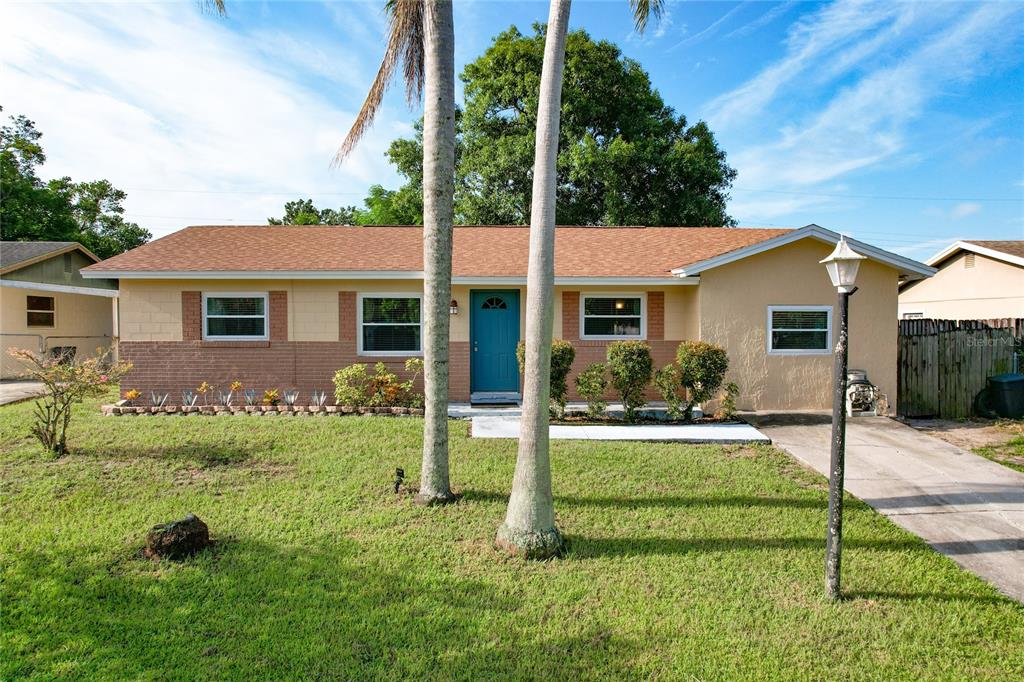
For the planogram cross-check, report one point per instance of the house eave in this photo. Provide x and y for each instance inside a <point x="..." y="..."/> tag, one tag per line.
<point x="953" y="248"/>
<point x="377" y="275"/>
<point x="909" y="268"/>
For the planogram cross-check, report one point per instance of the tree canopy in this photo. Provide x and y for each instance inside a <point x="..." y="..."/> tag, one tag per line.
<point x="91" y="213"/>
<point x="625" y="157"/>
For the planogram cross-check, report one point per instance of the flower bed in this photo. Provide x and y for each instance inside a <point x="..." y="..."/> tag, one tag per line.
<point x="259" y="410"/>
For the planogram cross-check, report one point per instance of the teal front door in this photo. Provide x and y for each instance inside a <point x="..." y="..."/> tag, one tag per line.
<point x="493" y="335"/>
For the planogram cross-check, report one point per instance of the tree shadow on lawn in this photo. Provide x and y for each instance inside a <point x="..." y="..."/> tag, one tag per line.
<point x="208" y="454"/>
<point x="248" y="609"/>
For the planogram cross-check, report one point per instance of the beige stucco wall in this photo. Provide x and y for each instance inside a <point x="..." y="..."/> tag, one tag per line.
<point x="734" y="302"/>
<point x="991" y="289"/>
<point x="77" y="315"/>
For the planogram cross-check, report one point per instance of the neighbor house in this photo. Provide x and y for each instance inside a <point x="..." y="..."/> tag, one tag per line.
<point x="976" y="280"/>
<point x="285" y="306"/>
<point x="47" y="307"/>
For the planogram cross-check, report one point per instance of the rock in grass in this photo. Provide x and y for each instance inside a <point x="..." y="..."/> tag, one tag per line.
<point x="177" y="539"/>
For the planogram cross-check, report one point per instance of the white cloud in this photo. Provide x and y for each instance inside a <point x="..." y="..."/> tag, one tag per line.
<point x="865" y="123"/>
<point x="763" y="20"/>
<point x="710" y="30"/>
<point x="964" y="209"/>
<point x="160" y="99"/>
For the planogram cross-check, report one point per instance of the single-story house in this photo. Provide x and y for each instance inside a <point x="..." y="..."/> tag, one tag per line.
<point x="976" y="280"/>
<point x="47" y="307"/>
<point x="285" y="306"/>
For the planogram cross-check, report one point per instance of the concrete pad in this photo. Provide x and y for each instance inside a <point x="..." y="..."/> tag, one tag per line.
<point x="963" y="505"/>
<point x="16" y="391"/>
<point x="508" y="427"/>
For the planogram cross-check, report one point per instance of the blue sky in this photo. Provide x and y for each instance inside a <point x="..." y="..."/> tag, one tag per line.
<point x="899" y="123"/>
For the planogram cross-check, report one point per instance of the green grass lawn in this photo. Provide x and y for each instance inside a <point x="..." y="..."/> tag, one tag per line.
<point x="685" y="563"/>
<point x="1010" y="453"/>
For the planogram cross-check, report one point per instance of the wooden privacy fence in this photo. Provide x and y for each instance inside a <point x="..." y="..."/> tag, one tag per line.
<point x="945" y="364"/>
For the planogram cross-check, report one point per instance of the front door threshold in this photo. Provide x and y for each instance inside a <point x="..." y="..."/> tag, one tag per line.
<point x="495" y="398"/>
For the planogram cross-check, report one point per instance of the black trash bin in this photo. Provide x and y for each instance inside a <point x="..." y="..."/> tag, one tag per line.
<point x="1006" y="395"/>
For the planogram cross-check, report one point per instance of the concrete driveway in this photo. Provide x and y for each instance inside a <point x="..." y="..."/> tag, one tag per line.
<point x="963" y="505"/>
<point x="13" y="391"/>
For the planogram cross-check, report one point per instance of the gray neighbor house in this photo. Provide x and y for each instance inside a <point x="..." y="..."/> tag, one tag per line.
<point x="47" y="306"/>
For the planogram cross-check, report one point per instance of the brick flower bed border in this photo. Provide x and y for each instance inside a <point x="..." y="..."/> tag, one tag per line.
<point x="258" y="411"/>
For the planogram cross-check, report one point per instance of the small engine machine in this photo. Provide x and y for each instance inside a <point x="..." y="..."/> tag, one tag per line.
<point x="863" y="398"/>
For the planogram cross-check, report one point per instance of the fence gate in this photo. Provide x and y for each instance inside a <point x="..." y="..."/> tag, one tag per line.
<point x="945" y="364"/>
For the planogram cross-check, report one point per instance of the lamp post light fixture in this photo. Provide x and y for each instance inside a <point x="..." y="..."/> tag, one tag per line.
<point x="842" y="265"/>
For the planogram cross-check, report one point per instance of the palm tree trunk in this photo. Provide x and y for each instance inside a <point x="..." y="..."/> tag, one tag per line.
<point x="529" y="527"/>
<point x="438" y="197"/>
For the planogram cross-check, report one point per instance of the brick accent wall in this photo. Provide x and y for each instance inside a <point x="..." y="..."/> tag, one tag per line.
<point x="655" y="315"/>
<point x="347" y="316"/>
<point x="191" y="315"/>
<point x="589" y="352"/>
<point x="570" y="315"/>
<point x="172" y="366"/>
<point x="278" y="315"/>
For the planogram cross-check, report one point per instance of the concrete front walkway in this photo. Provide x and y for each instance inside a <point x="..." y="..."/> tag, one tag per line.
<point x="963" y="505"/>
<point x="13" y="391"/>
<point x="508" y="427"/>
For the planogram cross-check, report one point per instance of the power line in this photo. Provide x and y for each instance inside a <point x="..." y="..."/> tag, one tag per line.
<point x="879" y="196"/>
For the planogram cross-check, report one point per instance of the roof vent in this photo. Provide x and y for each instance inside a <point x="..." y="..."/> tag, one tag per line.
<point x="969" y="260"/>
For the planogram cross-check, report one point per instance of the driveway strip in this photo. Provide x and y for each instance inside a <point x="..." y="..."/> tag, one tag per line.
<point x="963" y="505"/>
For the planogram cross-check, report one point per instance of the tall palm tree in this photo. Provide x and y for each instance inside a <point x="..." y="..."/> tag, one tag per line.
<point x="529" y="529"/>
<point x="421" y="39"/>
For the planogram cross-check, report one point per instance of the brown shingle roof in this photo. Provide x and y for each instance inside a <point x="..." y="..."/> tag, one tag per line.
<point x="478" y="251"/>
<point x="1011" y="247"/>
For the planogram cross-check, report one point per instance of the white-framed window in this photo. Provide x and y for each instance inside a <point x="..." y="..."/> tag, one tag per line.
<point x="236" y="316"/>
<point x="40" y="311"/>
<point x="390" y="324"/>
<point x="799" y="329"/>
<point x="613" y="316"/>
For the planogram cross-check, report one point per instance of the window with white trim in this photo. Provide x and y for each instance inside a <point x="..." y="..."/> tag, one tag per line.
<point x="39" y="311"/>
<point x="235" y="317"/>
<point x="799" y="330"/>
<point x="390" y="324"/>
<point x="613" y="317"/>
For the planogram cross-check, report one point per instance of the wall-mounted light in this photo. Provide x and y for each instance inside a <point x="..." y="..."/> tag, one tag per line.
<point x="454" y="308"/>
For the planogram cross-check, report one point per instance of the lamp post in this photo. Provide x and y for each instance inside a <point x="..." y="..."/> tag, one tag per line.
<point x="842" y="265"/>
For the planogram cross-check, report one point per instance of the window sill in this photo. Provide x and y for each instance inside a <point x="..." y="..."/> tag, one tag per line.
<point x="800" y="352"/>
<point x="240" y="343"/>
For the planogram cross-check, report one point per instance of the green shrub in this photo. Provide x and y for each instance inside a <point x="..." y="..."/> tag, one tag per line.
<point x="351" y="386"/>
<point x="592" y="384"/>
<point x="562" y="355"/>
<point x="670" y="386"/>
<point x="356" y="387"/>
<point x="702" y="368"/>
<point x="728" y="408"/>
<point x="630" y="365"/>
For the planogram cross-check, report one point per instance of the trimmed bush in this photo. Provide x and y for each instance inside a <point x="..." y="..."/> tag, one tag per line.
<point x="630" y="365"/>
<point x="670" y="385"/>
<point x="562" y="356"/>
<point x="702" y="368"/>
<point x="592" y="384"/>
<point x="728" y="408"/>
<point x="351" y="386"/>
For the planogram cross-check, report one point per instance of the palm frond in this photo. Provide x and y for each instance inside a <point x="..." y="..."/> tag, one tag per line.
<point x="644" y="9"/>
<point x="217" y="6"/>
<point x="405" y="47"/>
